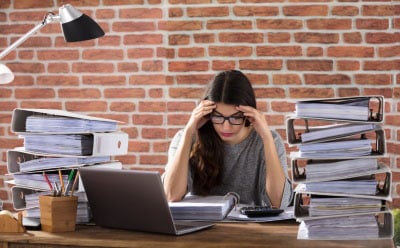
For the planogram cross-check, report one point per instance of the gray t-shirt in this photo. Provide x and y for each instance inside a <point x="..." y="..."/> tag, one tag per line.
<point x="244" y="170"/>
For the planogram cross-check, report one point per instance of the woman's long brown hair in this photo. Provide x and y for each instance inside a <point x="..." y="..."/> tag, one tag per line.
<point x="207" y="156"/>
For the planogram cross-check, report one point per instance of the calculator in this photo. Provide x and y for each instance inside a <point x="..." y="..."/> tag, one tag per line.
<point x="260" y="211"/>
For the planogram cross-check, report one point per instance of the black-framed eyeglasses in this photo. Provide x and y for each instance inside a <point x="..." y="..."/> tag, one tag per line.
<point x="234" y="119"/>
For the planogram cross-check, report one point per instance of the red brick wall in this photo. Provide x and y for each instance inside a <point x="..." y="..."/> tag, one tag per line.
<point x="151" y="67"/>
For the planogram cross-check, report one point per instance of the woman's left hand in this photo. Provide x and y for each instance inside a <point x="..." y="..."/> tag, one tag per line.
<point x="256" y="118"/>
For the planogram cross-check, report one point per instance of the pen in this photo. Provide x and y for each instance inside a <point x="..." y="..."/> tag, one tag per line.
<point x="75" y="181"/>
<point x="61" y="181"/>
<point x="69" y="183"/>
<point x="47" y="180"/>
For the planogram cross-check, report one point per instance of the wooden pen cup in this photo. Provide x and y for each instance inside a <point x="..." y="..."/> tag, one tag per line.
<point x="58" y="213"/>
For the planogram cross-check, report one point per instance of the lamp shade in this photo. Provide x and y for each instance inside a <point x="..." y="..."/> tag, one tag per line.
<point x="77" y="26"/>
<point x="6" y="76"/>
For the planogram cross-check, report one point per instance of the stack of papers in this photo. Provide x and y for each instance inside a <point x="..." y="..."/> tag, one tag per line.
<point x="347" y="227"/>
<point x="37" y="180"/>
<point x="202" y="207"/>
<point x="333" y="111"/>
<point x="349" y="187"/>
<point x="336" y="149"/>
<point x="335" y="131"/>
<point x="342" y="206"/>
<point x="340" y="169"/>
<point x="67" y="144"/>
<point x="45" y="163"/>
<point x="58" y="124"/>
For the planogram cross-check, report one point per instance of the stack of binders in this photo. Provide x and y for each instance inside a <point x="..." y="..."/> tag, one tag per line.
<point x="56" y="144"/>
<point x="343" y="185"/>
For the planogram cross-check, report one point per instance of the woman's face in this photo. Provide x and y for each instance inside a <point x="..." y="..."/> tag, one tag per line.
<point x="229" y="133"/>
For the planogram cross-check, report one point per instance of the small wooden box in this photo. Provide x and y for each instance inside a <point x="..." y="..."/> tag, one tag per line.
<point x="58" y="213"/>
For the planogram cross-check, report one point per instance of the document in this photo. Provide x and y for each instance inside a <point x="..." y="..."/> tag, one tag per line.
<point x="336" y="149"/>
<point x="340" y="169"/>
<point x="37" y="180"/>
<point x="326" y="206"/>
<point x="194" y="207"/>
<point x="235" y="215"/>
<point x="335" y="131"/>
<point x="340" y="228"/>
<point x="45" y="163"/>
<point x="60" y="124"/>
<point x="356" y="109"/>
<point x="348" y="187"/>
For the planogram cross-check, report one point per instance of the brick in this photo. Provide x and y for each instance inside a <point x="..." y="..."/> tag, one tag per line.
<point x="103" y="54"/>
<point x="177" y="119"/>
<point x="122" y="106"/>
<point x="184" y="93"/>
<point x="143" y="39"/>
<point x="310" y="37"/>
<point x="260" y="64"/>
<point x="191" y="52"/>
<point x="188" y="66"/>
<point x="79" y="93"/>
<point x="286" y="79"/>
<point x="219" y="11"/>
<point x="382" y="38"/>
<point x="167" y="53"/>
<point x="105" y="14"/>
<point x="228" y="24"/>
<point x="175" y="12"/>
<point x="27" y="93"/>
<point x="110" y="40"/>
<point x="255" y="11"/>
<point x="278" y="37"/>
<point x="345" y="11"/>
<point x="5" y="118"/>
<point x="194" y="79"/>
<point x="156" y="93"/>
<point x="223" y="65"/>
<point x="269" y="93"/>
<point x="389" y="51"/>
<point x="372" y="24"/>
<point x="5" y="4"/>
<point x="81" y="3"/>
<point x="385" y="92"/>
<point x="60" y="41"/>
<point x="154" y="133"/>
<point x="139" y="146"/>
<point x="372" y="79"/>
<point x="141" y="13"/>
<point x="86" y="106"/>
<point x="36" y="42"/>
<point x="5" y="93"/>
<point x="131" y="26"/>
<point x="178" y="39"/>
<point x="127" y="67"/>
<point x="41" y="104"/>
<point x="258" y="79"/>
<point x="231" y="51"/>
<point x="353" y="37"/>
<point x="152" y="106"/>
<point x="351" y="51"/>
<point x="180" y="106"/>
<point x="122" y="2"/>
<point x="348" y="65"/>
<point x="241" y="37"/>
<point x="148" y="80"/>
<point x="310" y="65"/>
<point x="153" y="159"/>
<point x="23" y="4"/>
<point x="124" y="93"/>
<point x="136" y="53"/>
<point x="323" y="79"/>
<point x="312" y="92"/>
<point x="152" y="65"/>
<point x="180" y="25"/>
<point x="7" y="106"/>
<point x="282" y="106"/>
<point x="329" y="24"/>
<point x="104" y="80"/>
<point x="279" y="24"/>
<point x="82" y="67"/>
<point x="189" y="1"/>
<point x="279" y="51"/>
<point x="160" y="146"/>
<point x="305" y="10"/>
<point x="386" y="65"/>
<point x="58" y="67"/>
<point x="26" y="67"/>
<point x="315" y="51"/>
<point x="378" y="10"/>
<point x="58" y="80"/>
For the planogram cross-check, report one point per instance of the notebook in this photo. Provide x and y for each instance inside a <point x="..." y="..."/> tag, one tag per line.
<point x="132" y="200"/>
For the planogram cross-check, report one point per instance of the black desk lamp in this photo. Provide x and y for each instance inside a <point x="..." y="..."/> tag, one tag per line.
<point x="75" y="25"/>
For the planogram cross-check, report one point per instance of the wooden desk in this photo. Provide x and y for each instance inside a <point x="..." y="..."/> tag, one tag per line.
<point x="278" y="234"/>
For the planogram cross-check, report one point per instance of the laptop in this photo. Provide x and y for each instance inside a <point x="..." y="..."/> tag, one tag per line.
<point x="132" y="200"/>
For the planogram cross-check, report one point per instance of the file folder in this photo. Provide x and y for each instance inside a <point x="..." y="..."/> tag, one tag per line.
<point x="20" y="117"/>
<point x="360" y="108"/>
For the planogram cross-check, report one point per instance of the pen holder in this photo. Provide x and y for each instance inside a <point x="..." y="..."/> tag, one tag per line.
<point x="58" y="213"/>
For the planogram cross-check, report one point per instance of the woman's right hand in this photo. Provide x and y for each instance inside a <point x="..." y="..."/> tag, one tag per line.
<point x="199" y="115"/>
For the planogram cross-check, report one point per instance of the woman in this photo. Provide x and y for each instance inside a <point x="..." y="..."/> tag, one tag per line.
<point x="227" y="146"/>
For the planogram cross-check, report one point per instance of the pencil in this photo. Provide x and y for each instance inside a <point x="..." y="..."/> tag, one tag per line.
<point x="61" y="181"/>
<point x="75" y="181"/>
<point x="47" y="180"/>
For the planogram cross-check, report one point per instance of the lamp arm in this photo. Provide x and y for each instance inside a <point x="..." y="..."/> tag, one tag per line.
<point x="50" y="17"/>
